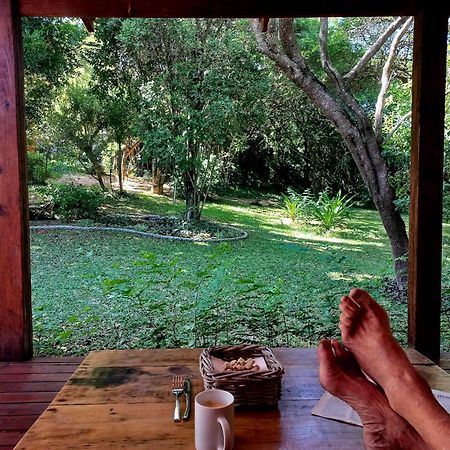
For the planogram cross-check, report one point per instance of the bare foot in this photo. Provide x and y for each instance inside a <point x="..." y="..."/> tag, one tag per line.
<point x="366" y="333"/>
<point x="341" y="375"/>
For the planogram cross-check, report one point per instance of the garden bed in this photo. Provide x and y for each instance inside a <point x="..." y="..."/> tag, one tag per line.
<point x="162" y="227"/>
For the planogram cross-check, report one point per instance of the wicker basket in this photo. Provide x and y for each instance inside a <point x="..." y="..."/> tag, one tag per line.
<point x="249" y="388"/>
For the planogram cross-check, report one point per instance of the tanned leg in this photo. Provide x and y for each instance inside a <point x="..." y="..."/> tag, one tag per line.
<point x="383" y="428"/>
<point x="366" y="333"/>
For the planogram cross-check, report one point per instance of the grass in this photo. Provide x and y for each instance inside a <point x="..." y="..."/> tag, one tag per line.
<point x="281" y="286"/>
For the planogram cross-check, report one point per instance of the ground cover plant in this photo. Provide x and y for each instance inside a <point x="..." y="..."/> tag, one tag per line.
<point x="281" y="286"/>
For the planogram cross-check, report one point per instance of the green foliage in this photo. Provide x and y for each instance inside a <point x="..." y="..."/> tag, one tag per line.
<point x="201" y="90"/>
<point x="291" y="206"/>
<point x="50" y="55"/>
<point x="37" y="168"/>
<point x="308" y="272"/>
<point x="78" y="125"/>
<point x="331" y="211"/>
<point x="75" y="202"/>
<point x="297" y="205"/>
<point x="205" y="314"/>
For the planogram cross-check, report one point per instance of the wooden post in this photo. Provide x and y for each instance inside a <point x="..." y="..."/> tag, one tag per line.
<point x="15" y="292"/>
<point x="427" y="152"/>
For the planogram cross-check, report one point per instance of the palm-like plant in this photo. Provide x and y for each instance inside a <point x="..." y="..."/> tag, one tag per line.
<point x="331" y="211"/>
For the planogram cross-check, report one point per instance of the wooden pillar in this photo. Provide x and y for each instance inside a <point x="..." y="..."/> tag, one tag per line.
<point x="15" y="292"/>
<point x="427" y="154"/>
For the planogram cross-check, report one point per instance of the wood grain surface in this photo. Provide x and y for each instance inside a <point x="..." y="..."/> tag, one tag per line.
<point x="216" y="8"/>
<point x="122" y="400"/>
<point x="427" y="155"/>
<point x="15" y="286"/>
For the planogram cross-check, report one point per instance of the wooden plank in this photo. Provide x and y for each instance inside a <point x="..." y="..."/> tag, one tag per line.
<point x="206" y="8"/>
<point x="31" y="378"/>
<point x="15" y="290"/>
<point x="57" y="359"/>
<point x="417" y="358"/>
<point x="37" y="368"/>
<point x="24" y="409"/>
<point x="11" y="423"/>
<point x="40" y="386"/>
<point x="26" y="397"/>
<point x="444" y="361"/>
<point x="139" y="426"/>
<point x="131" y="358"/>
<point x="10" y="438"/>
<point x="108" y="405"/>
<point x="429" y="72"/>
<point x="436" y="377"/>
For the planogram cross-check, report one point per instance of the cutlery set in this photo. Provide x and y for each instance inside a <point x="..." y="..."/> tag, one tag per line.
<point x="181" y="386"/>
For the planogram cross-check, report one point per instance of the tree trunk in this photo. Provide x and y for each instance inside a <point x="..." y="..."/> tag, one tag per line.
<point x="99" y="175"/>
<point x="157" y="179"/>
<point x="192" y="213"/>
<point x="97" y="167"/>
<point x="120" y="167"/>
<point x="352" y="123"/>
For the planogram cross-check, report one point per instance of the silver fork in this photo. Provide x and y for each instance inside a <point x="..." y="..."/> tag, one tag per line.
<point x="177" y="390"/>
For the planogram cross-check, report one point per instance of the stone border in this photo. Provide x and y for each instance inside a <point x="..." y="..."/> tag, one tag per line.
<point x="243" y="235"/>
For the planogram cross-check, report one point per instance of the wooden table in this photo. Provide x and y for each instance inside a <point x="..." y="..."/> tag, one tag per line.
<point x="121" y="399"/>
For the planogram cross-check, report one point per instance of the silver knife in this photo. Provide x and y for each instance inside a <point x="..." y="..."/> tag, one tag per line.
<point x="187" y="391"/>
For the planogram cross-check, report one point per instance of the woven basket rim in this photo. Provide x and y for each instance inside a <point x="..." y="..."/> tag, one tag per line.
<point x="249" y="388"/>
<point x="274" y="367"/>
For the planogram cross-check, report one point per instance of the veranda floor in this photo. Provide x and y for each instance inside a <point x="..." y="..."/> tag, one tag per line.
<point x="26" y="389"/>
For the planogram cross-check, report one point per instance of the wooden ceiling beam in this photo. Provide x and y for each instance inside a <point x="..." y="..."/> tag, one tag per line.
<point x="217" y="8"/>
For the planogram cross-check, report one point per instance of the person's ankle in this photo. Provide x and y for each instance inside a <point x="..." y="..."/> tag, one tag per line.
<point x="403" y="384"/>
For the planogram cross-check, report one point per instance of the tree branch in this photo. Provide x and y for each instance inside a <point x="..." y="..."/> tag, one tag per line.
<point x="397" y="126"/>
<point x="347" y="97"/>
<point x="373" y="50"/>
<point x="330" y="70"/>
<point x="386" y="79"/>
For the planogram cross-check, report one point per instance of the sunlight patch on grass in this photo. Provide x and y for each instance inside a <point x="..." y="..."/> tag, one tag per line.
<point x="341" y="276"/>
<point x="335" y="239"/>
<point x="305" y="272"/>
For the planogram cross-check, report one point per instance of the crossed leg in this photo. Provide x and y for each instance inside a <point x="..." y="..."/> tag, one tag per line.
<point x="341" y="375"/>
<point x="366" y="333"/>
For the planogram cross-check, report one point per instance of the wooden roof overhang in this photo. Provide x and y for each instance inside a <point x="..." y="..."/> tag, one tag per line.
<point x="430" y="46"/>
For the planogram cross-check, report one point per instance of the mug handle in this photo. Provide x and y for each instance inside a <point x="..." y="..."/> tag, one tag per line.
<point x="227" y="439"/>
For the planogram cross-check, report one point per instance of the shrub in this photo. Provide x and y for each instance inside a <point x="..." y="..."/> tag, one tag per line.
<point x="331" y="211"/>
<point x="76" y="202"/>
<point x="291" y="206"/>
<point x="297" y="205"/>
<point x="37" y="168"/>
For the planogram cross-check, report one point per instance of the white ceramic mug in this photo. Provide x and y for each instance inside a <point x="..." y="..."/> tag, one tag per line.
<point x="214" y="420"/>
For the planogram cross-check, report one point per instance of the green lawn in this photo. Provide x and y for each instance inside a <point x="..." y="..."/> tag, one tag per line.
<point x="281" y="286"/>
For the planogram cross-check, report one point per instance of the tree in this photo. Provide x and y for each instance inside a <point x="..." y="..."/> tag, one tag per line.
<point x="50" y="56"/>
<point x="198" y="90"/>
<point x="362" y="136"/>
<point x="79" y="124"/>
<point x="115" y="87"/>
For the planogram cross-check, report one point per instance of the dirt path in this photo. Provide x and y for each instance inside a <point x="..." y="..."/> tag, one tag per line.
<point x="136" y="185"/>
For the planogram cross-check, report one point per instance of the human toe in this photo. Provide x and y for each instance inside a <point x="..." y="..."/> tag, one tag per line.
<point x="348" y="307"/>
<point x="327" y="363"/>
<point x="350" y="303"/>
<point x="344" y="357"/>
<point x="338" y="349"/>
<point x="345" y="320"/>
<point x="360" y="297"/>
